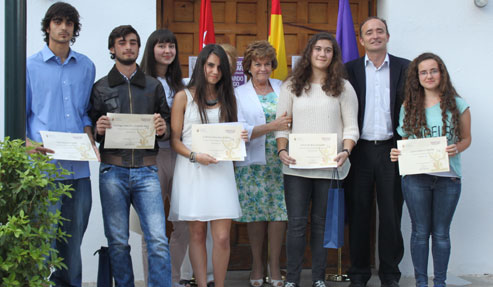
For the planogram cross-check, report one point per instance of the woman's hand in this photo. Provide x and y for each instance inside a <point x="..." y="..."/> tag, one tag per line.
<point x="394" y="154"/>
<point x="285" y="158"/>
<point x="452" y="150"/>
<point x="244" y="135"/>
<point x="205" y="159"/>
<point x="341" y="158"/>
<point x="282" y="123"/>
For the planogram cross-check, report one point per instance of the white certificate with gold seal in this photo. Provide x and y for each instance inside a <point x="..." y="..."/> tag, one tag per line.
<point x="221" y="141"/>
<point x="69" y="146"/>
<point x="425" y="155"/>
<point x="313" y="150"/>
<point x="130" y="131"/>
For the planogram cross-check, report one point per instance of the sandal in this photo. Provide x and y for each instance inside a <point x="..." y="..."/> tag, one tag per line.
<point x="185" y="283"/>
<point x="276" y="283"/>
<point x="256" y="282"/>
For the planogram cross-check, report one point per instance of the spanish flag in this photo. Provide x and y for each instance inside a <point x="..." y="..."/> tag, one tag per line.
<point x="276" y="39"/>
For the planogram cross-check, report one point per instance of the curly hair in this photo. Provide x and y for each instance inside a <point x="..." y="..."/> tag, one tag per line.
<point x="224" y="88"/>
<point x="173" y="74"/>
<point x="258" y="50"/>
<point x="64" y="11"/>
<point x="333" y="82"/>
<point x="414" y="99"/>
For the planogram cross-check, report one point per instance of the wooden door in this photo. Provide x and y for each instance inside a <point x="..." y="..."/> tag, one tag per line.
<point x="239" y="22"/>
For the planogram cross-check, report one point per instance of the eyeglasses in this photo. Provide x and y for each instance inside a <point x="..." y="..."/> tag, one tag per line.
<point x="432" y="72"/>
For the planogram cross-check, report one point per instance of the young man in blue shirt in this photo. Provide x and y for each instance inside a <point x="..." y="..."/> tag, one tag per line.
<point x="58" y="87"/>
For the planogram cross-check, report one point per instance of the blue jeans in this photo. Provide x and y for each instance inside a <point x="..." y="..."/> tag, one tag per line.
<point x="76" y="210"/>
<point x="119" y="187"/>
<point x="431" y="201"/>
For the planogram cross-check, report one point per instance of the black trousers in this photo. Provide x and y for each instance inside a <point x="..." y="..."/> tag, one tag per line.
<point x="371" y="167"/>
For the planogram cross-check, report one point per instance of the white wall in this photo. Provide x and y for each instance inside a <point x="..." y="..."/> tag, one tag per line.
<point x="456" y="30"/>
<point x="460" y="33"/>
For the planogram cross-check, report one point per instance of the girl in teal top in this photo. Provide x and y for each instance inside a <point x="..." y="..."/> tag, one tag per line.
<point x="432" y="108"/>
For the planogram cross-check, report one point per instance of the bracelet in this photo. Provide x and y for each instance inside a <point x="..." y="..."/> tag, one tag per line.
<point x="348" y="152"/>
<point x="192" y="157"/>
<point x="283" y="149"/>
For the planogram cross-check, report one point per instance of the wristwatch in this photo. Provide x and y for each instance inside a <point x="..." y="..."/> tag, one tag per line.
<point x="348" y="152"/>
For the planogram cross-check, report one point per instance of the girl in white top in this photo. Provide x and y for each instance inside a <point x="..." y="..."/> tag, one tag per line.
<point x="203" y="188"/>
<point x="320" y="101"/>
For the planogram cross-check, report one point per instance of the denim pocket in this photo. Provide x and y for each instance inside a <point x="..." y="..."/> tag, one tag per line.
<point x="456" y="180"/>
<point x="104" y="168"/>
<point x="152" y="168"/>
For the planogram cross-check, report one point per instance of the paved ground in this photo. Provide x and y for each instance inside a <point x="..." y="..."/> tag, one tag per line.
<point x="240" y="279"/>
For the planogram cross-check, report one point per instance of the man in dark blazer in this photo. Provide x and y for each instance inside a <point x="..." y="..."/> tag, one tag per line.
<point x="378" y="79"/>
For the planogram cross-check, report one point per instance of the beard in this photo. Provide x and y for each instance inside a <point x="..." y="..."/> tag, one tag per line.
<point x="126" y="62"/>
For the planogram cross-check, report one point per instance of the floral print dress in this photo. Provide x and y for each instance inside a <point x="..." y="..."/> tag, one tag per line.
<point x="261" y="189"/>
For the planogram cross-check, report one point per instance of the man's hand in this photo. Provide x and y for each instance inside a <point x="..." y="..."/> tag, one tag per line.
<point x="38" y="148"/>
<point x="159" y="125"/>
<point x="102" y="124"/>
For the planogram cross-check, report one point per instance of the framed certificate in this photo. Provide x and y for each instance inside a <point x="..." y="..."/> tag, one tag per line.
<point x="130" y="131"/>
<point x="69" y="146"/>
<point x="426" y="155"/>
<point x="313" y="150"/>
<point x="222" y="141"/>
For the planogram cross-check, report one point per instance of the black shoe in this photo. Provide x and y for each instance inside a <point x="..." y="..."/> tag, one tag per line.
<point x="357" y="284"/>
<point x="211" y="284"/>
<point x="390" y="284"/>
<point x="319" y="283"/>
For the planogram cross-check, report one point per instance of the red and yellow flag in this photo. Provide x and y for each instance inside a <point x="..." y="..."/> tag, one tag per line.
<point x="276" y="39"/>
<point x="206" y="27"/>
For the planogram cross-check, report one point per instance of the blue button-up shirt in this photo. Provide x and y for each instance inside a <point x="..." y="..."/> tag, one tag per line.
<point x="57" y="98"/>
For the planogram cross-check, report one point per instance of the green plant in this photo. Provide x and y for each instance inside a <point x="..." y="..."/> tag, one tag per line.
<point x="28" y="188"/>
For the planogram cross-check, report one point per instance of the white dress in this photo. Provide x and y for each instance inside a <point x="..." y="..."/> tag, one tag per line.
<point x="202" y="193"/>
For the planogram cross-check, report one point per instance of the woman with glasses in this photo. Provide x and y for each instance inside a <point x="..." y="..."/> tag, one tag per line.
<point x="432" y="108"/>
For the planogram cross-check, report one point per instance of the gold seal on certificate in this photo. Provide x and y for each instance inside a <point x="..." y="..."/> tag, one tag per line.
<point x="425" y="155"/>
<point x="69" y="146"/>
<point x="221" y="141"/>
<point x="313" y="150"/>
<point x="130" y="131"/>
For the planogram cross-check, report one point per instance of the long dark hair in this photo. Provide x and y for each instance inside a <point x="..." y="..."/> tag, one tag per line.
<point x="333" y="83"/>
<point x="173" y="74"/>
<point x="414" y="101"/>
<point x="224" y="87"/>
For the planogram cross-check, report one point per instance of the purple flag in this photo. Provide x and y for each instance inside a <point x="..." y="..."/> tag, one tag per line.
<point x="345" y="32"/>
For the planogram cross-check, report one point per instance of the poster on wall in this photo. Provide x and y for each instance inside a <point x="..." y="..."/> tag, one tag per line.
<point x="239" y="78"/>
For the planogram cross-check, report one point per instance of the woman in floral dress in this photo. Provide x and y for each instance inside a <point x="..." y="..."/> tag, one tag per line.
<point x="258" y="178"/>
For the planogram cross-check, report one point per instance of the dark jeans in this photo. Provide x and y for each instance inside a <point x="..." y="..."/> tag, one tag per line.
<point x="299" y="193"/>
<point x="76" y="210"/>
<point x="371" y="166"/>
<point x="431" y="201"/>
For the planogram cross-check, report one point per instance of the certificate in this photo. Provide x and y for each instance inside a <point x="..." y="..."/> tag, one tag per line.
<point x="426" y="155"/>
<point x="221" y="141"/>
<point x="313" y="150"/>
<point x="130" y="131"/>
<point x="69" y="146"/>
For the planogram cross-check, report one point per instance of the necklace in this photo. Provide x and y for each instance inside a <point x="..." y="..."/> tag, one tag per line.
<point x="211" y="103"/>
<point x="263" y="92"/>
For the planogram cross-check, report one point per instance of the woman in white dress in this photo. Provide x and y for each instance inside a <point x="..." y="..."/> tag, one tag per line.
<point x="204" y="189"/>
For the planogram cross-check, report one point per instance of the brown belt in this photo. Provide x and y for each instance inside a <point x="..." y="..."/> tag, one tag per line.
<point x="118" y="160"/>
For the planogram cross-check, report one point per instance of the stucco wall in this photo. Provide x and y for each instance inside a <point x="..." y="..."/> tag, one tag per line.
<point x="456" y="30"/>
